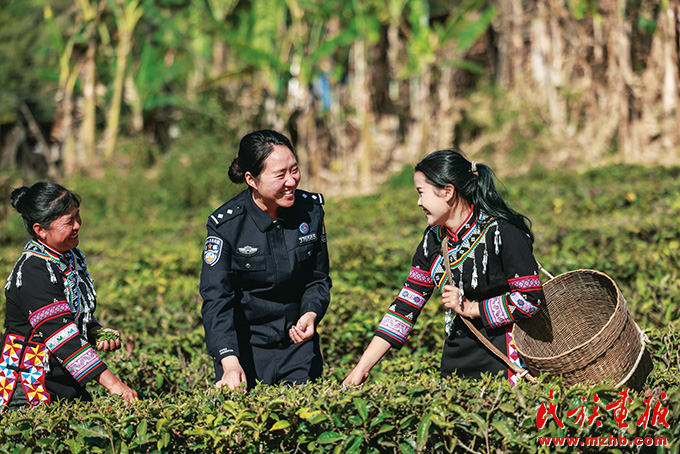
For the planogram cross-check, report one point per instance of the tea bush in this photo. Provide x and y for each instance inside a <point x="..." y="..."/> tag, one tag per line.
<point x="143" y="235"/>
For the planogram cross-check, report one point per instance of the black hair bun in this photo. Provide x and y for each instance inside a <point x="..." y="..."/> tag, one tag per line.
<point x="235" y="173"/>
<point x="15" y="198"/>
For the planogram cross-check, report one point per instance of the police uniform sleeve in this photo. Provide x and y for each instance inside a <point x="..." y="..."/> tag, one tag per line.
<point x="42" y="294"/>
<point x="317" y="294"/>
<point x="402" y="314"/>
<point x="519" y="268"/>
<point x="218" y="297"/>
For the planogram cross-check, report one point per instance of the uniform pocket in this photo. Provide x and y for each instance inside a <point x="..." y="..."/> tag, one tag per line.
<point x="245" y="264"/>
<point x="304" y="252"/>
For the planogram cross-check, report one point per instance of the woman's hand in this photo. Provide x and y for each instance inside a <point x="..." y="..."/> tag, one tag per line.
<point x="303" y="330"/>
<point x="374" y="353"/>
<point x="125" y="392"/>
<point x="113" y="384"/>
<point x="356" y="377"/>
<point x="451" y="300"/>
<point x="107" y="342"/>
<point x="233" y="374"/>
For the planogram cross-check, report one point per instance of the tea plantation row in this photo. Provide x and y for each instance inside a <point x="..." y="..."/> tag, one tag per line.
<point x="143" y="242"/>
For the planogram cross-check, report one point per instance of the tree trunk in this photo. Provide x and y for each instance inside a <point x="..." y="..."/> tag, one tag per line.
<point x="621" y="80"/>
<point x="362" y="104"/>
<point x="127" y="17"/>
<point x="62" y="132"/>
<point x="86" y="149"/>
<point x="113" y="117"/>
<point x="668" y="23"/>
<point x="136" y="104"/>
<point x="445" y="113"/>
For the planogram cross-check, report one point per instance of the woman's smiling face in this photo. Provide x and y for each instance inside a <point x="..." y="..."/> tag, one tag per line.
<point x="432" y="200"/>
<point x="277" y="182"/>
<point x="62" y="235"/>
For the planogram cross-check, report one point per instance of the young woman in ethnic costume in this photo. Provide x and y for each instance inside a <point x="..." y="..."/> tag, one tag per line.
<point x="50" y="342"/>
<point x="494" y="271"/>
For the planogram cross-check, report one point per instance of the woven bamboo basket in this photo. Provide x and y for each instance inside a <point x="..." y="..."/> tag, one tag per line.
<point x="585" y="333"/>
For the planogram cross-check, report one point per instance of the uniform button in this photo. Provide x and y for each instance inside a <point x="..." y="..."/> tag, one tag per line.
<point x="279" y="345"/>
<point x="278" y="226"/>
<point x="309" y="253"/>
<point x="248" y="266"/>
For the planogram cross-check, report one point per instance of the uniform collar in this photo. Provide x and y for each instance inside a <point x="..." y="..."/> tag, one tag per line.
<point x="262" y="220"/>
<point x="285" y="215"/>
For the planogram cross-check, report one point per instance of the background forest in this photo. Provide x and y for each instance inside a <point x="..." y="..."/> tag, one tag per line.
<point x="361" y="86"/>
<point x="138" y="105"/>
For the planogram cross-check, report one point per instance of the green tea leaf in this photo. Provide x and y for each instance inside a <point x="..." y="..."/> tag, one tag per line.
<point x="283" y="424"/>
<point x="360" y="405"/>
<point x="329" y="437"/>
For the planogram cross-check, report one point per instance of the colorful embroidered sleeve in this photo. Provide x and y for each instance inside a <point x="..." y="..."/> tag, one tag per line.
<point x="404" y="311"/>
<point x="50" y="316"/>
<point x="523" y="299"/>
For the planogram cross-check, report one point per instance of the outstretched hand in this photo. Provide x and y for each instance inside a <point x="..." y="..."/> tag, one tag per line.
<point x="113" y="384"/>
<point x="374" y="353"/>
<point x="355" y="378"/>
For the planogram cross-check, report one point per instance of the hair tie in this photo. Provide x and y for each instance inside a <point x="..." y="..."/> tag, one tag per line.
<point x="473" y="167"/>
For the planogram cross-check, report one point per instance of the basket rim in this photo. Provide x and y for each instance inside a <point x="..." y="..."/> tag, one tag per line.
<point x="619" y="301"/>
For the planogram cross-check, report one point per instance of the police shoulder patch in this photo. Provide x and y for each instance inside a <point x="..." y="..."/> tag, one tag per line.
<point x="225" y="213"/>
<point x="212" y="250"/>
<point x="313" y="197"/>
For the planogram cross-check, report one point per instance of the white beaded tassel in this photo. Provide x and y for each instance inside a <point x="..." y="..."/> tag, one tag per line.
<point x="474" y="270"/>
<point x="497" y="240"/>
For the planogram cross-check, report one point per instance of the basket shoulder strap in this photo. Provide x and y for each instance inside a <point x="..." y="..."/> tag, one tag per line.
<point x="515" y="368"/>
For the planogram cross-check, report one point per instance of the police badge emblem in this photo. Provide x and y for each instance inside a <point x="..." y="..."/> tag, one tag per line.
<point x="213" y="250"/>
<point x="248" y="251"/>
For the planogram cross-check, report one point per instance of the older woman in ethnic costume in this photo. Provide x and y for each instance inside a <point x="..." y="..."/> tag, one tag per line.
<point x="51" y="338"/>
<point x="490" y="255"/>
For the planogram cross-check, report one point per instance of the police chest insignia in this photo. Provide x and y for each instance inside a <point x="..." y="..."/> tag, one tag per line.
<point x="213" y="250"/>
<point x="304" y="228"/>
<point x="248" y="251"/>
<point x="307" y="239"/>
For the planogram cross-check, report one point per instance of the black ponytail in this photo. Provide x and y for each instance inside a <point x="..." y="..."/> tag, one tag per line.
<point x="474" y="182"/>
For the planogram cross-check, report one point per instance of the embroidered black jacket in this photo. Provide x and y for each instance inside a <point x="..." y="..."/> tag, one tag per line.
<point x="492" y="262"/>
<point x="50" y="301"/>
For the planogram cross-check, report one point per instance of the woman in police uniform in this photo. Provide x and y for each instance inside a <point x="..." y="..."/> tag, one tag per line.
<point x="265" y="283"/>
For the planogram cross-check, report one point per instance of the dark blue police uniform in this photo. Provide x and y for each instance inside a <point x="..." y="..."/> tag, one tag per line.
<point x="259" y="276"/>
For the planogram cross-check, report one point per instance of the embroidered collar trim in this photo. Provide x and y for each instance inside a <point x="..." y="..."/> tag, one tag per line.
<point x="465" y="227"/>
<point x="38" y="247"/>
